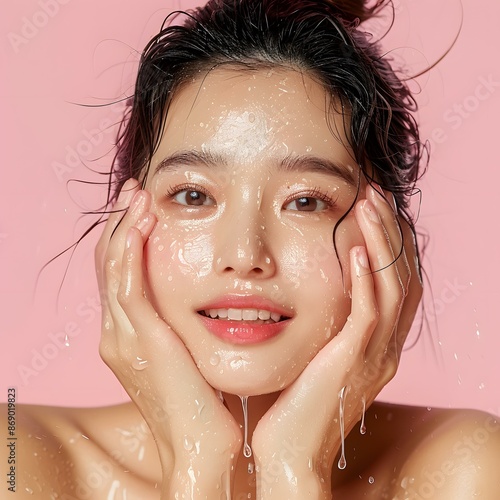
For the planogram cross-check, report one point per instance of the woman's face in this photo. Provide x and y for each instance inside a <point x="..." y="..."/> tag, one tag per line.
<point x="247" y="185"/>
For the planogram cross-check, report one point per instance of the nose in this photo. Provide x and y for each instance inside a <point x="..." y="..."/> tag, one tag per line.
<point x="242" y="249"/>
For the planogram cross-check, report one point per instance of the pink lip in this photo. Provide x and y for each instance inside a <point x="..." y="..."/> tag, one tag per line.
<point x="239" y="332"/>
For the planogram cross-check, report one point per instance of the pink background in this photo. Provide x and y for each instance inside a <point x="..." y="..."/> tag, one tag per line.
<point x="59" y="52"/>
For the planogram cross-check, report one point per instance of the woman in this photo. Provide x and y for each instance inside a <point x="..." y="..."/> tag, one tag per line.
<point x="259" y="276"/>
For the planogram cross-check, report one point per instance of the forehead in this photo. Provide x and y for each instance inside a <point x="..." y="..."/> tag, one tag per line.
<point x="246" y="115"/>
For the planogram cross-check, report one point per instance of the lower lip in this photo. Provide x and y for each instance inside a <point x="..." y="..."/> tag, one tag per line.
<point x="239" y="332"/>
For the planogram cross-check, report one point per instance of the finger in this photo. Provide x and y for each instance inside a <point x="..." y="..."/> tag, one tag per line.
<point x="403" y="242"/>
<point x="113" y="276"/>
<point x="387" y="282"/>
<point x="116" y="245"/>
<point x="139" y="206"/>
<point x="341" y="359"/>
<point x="349" y="345"/>
<point x="127" y="192"/>
<point x="385" y="204"/>
<point x="415" y="289"/>
<point x="151" y="331"/>
<point x="386" y="207"/>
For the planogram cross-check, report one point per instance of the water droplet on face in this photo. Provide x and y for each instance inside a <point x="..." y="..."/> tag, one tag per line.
<point x="309" y="149"/>
<point x="342" y="461"/>
<point x="250" y="468"/>
<point x="160" y="248"/>
<point x="247" y="451"/>
<point x="481" y="386"/>
<point x="214" y="359"/>
<point x="139" y="363"/>
<point x="29" y="491"/>
<point x="66" y="340"/>
<point x="251" y="117"/>
<point x="371" y="479"/>
<point x="188" y="443"/>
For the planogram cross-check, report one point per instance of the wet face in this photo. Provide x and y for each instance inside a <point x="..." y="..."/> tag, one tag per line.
<point x="247" y="185"/>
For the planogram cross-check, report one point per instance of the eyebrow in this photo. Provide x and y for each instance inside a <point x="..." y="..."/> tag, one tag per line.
<point x="291" y="163"/>
<point x="311" y="163"/>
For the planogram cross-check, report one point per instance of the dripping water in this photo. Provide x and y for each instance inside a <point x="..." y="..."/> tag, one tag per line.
<point x="247" y="451"/>
<point x="342" y="461"/>
<point x="362" y="427"/>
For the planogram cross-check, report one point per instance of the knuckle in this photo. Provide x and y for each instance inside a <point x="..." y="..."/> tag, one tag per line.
<point x="123" y="297"/>
<point x="390" y="370"/>
<point x="111" y="269"/>
<point x="372" y="317"/>
<point x="106" y="352"/>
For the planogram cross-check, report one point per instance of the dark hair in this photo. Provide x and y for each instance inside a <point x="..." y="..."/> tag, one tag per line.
<point x="321" y="37"/>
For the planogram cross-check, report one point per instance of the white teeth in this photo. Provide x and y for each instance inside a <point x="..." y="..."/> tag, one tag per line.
<point x="235" y="314"/>
<point x="275" y="317"/>
<point x="264" y="315"/>
<point x="250" y="314"/>
<point x="242" y="314"/>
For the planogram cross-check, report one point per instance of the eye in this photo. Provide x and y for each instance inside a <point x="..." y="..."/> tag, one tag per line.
<point x="306" y="204"/>
<point x="192" y="198"/>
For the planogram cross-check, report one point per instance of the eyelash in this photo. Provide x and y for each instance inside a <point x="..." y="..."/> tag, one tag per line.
<point x="174" y="190"/>
<point x="314" y="193"/>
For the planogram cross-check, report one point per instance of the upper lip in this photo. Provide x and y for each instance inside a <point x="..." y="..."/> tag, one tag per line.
<point x="246" y="302"/>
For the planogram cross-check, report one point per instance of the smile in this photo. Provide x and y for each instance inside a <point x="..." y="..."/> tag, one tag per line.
<point x="256" y="316"/>
<point x="244" y="319"/>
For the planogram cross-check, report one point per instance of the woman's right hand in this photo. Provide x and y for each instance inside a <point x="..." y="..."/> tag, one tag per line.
<point x="197" y="437"/>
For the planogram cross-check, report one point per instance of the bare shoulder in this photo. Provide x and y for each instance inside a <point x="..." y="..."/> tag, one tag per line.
<point x="79" y="453"/>
<point x="423" y="453"/>
<point x="456" y="455"/>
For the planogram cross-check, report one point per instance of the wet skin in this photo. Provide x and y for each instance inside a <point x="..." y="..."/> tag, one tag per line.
<point x="237" y="194"/>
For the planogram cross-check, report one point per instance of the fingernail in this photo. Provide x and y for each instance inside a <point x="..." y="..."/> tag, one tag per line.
<point x="137" y="201"/>
<point x="142" y="223"/>
<point x="370" y="211"/>
<point x="377" y="191"/>
<point x="128" y="241"/>
<point x="361" y="260"/>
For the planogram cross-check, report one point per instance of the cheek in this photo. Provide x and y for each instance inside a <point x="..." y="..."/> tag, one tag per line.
<point x="310" y="255"/>
<point x="177" y="259"/>
<point x="322" y="279"/>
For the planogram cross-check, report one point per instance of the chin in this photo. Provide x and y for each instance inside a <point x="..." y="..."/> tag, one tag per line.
<point x="249" y="381"/>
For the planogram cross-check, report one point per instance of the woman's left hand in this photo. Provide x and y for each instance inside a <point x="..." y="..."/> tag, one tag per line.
<point x="297" y="440"/>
